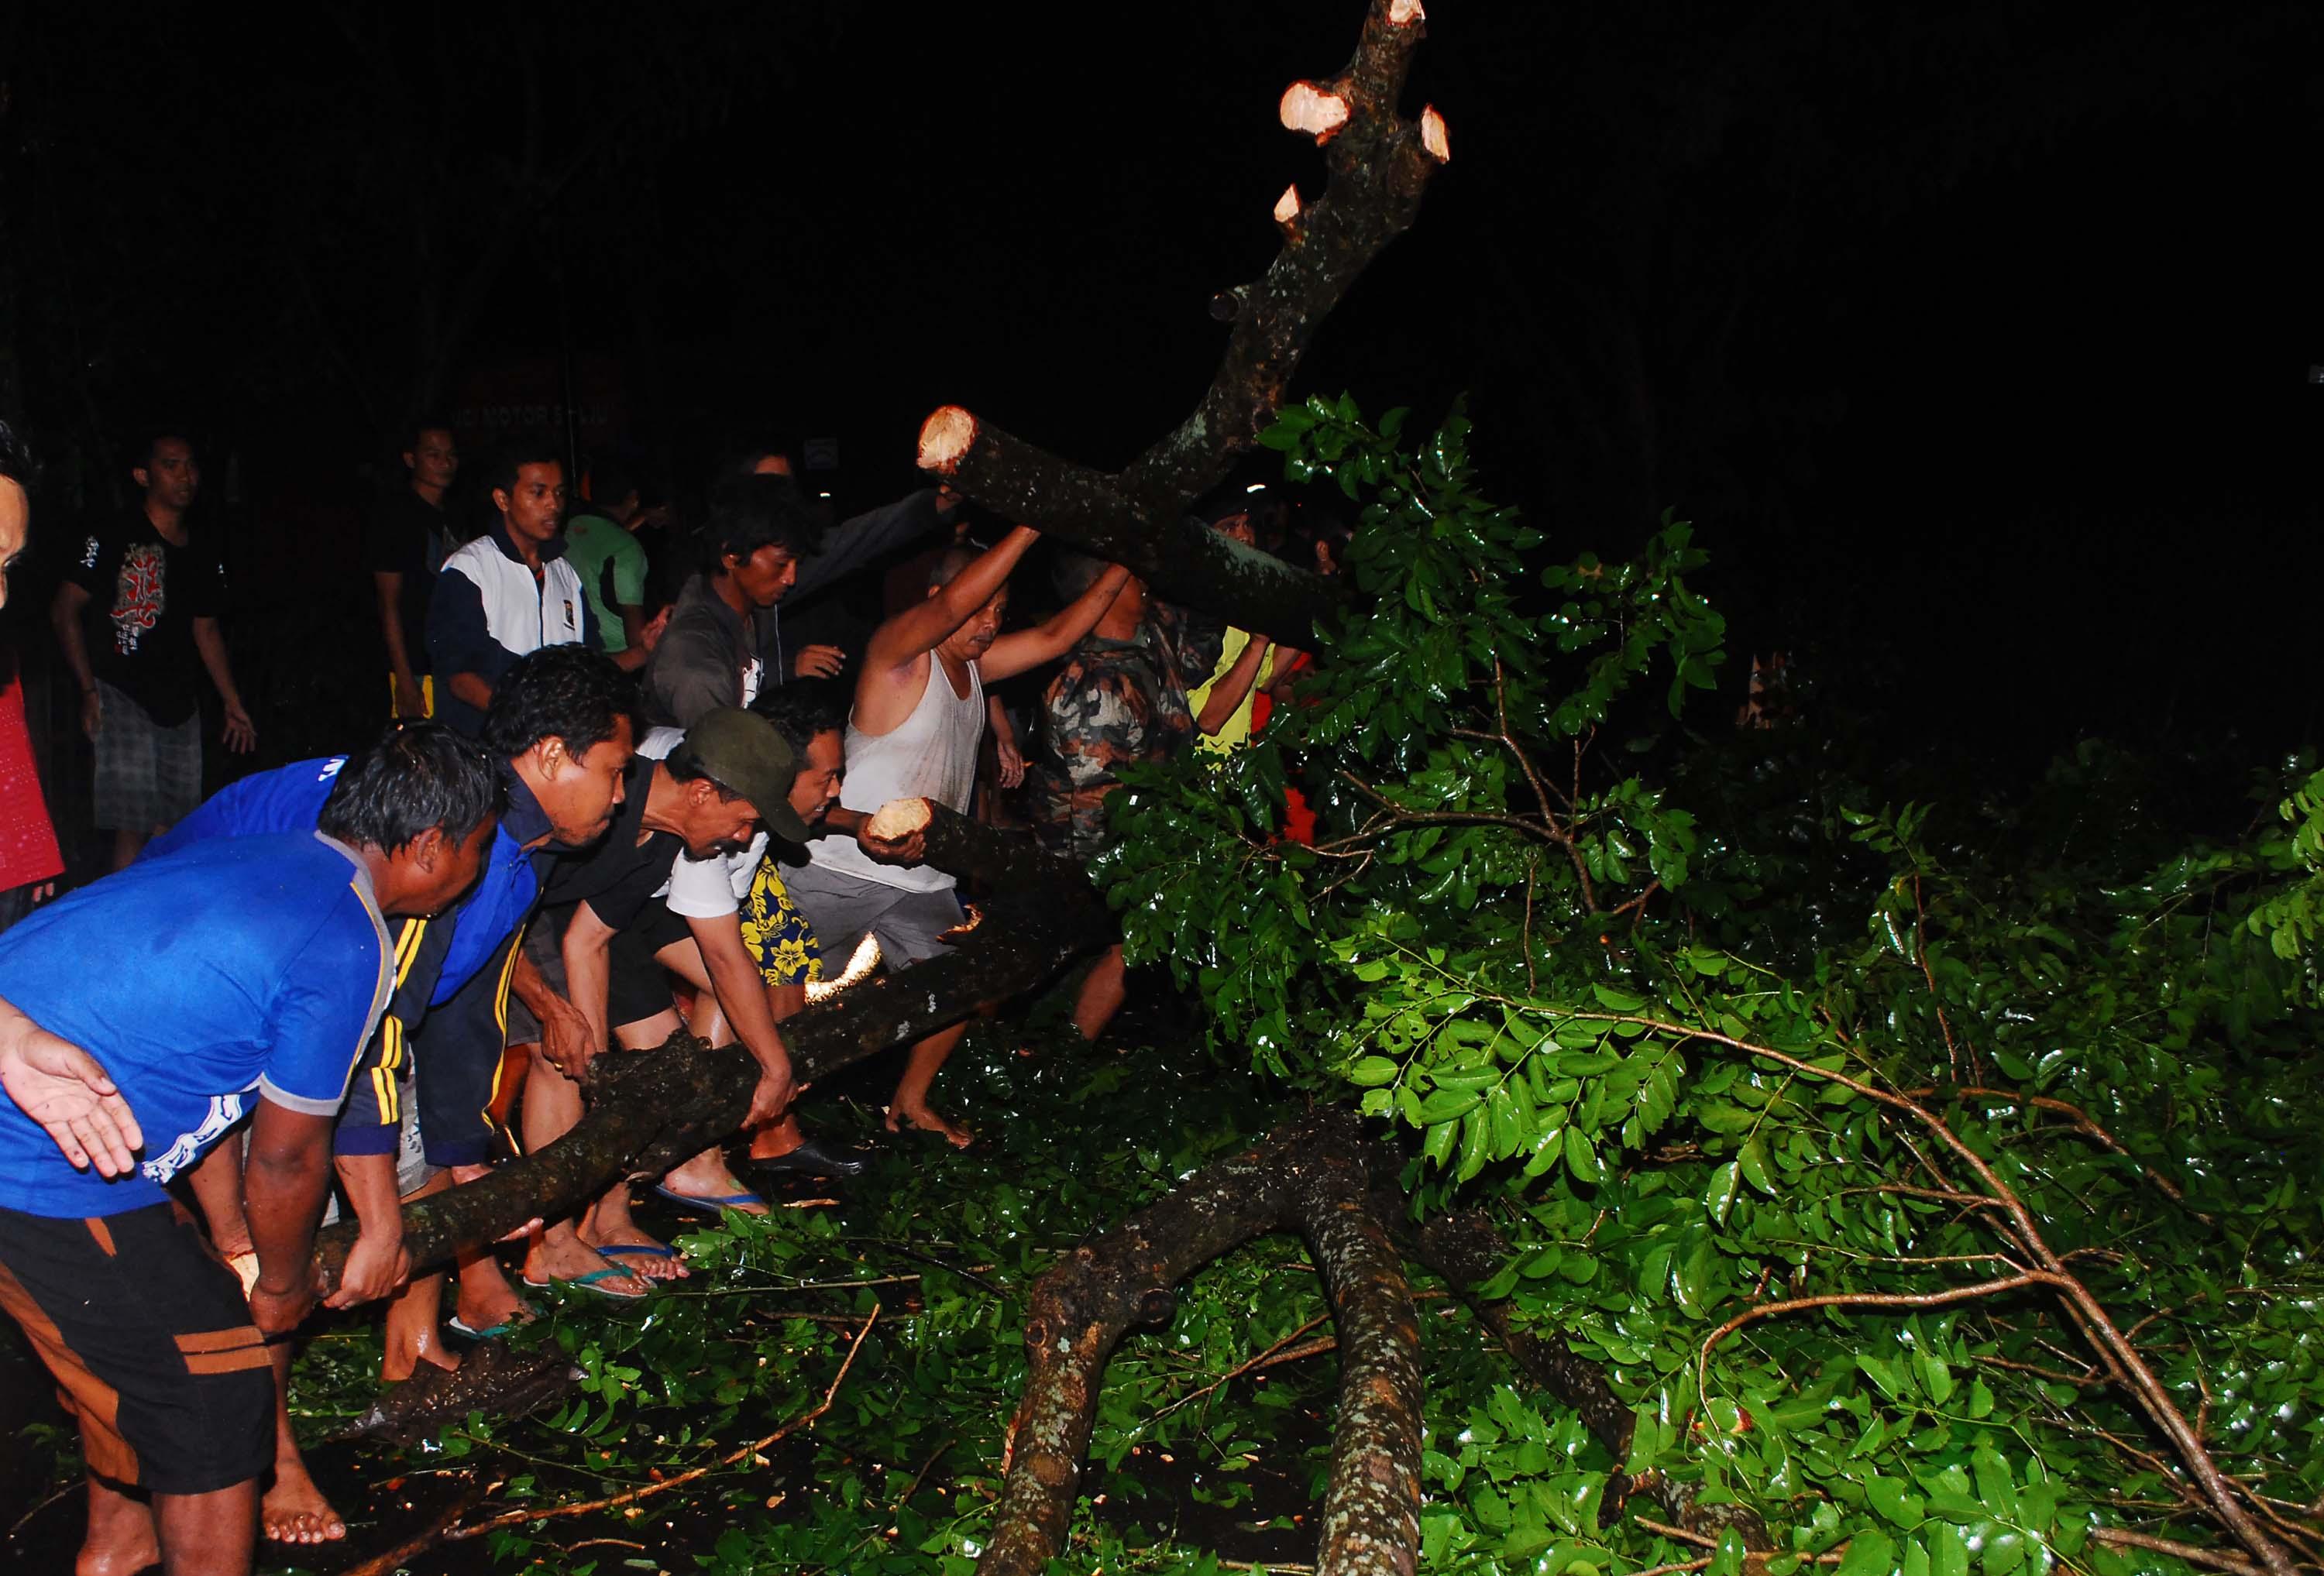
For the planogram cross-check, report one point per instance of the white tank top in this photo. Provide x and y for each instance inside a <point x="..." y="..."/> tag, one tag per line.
<point x="929" y="755"/>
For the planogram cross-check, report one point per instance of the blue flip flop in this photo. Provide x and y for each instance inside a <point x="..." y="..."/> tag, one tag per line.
<point x="642" y="1249"/>
<point x="462" y="1327"/>
<point x="594" y="1283"/>
<point x="708" y="1206"/>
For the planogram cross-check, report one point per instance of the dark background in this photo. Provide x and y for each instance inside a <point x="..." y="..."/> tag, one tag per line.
<point x="1974" y="338"/>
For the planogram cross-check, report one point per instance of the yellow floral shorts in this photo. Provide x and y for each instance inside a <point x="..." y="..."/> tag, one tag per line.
<point x="777" y="933"/>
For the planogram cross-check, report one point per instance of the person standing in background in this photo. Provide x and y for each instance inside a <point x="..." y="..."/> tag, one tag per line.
<point x="601" y="543"/>
<point x="165" y="586"/>
<point x="406" y="540"/>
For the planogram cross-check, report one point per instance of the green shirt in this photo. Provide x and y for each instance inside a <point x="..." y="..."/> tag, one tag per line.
<point x="1237" y="730"/>
<point x="613" y="570"/>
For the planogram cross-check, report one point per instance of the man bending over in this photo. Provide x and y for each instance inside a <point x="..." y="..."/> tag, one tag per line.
<point x="273" y="971"/>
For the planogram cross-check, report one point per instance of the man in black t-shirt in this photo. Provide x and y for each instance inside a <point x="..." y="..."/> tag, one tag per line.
<point x="149" y="588"/>
<point x="406" y="538"/>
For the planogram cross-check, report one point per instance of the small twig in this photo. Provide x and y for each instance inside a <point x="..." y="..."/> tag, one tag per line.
<point x="2059" y="1375"/>
<point x="1235" y="1373"/>
<point x="629" y="1496"/>
<point x="2082" y="1123"/>
<point x="2209" y="1559"/>
<point x="605" y="1543"/>
<point x="922" y="1475"/>
<point x="1678" y="1534"/>
<point x="393" y="1559"/>
<point x="1533" y="868"/>
<point x="1989" y="1288"/>
<point x="43" y="1504"/>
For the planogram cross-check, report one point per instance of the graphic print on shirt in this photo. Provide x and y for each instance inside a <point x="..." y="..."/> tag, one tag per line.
<point x="138" y="594"/>
<point x="225" y="1110"/>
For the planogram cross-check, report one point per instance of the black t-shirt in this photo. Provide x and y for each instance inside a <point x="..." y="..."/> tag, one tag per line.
<point x="617" y="875"/>
<point x="144" y="592"/>
<point x="406" y="534"/>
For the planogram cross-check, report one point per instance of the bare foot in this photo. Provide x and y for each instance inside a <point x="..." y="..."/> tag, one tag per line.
<point x="294" y="1511"/>
<point x="123" y="1551"/>
<point x="401" y="1362"/>
<point x="706" y="1179"/>
<point x="926" y="1119"/>
<point x="569" y="1259"/>
<point x="634" y="1249"/>
<point x="502" y="1306"/>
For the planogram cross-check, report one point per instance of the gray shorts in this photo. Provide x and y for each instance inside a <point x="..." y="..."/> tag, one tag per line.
<point x="841" y="908"/>
<point x="147" y="775"/>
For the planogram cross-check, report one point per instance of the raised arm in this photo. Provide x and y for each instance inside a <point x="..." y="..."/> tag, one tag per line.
<point x="1227" y="692"/>
<point x="1013" y="654"/>
<point x="854" y="543"/>
<point x="923" y="627"/>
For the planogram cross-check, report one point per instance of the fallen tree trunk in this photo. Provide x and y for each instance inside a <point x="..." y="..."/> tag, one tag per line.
<point x="1309" y="1175"/>
<point x="1379" y="164"/>
<point x="654" y="1108"/>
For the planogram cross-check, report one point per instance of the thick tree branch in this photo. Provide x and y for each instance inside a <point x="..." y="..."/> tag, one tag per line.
<point x="1379" y="164"/>
<point x="657" y="1107"/>
<point x="1310" y="1176"/>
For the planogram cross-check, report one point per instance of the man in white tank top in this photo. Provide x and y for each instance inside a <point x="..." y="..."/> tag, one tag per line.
<point x="919" y="718"/>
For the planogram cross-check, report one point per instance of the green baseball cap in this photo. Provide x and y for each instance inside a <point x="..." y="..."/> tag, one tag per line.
<point x="743" y="753"/>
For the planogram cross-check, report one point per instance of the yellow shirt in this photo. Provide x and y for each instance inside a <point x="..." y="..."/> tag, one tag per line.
<point x="1237" y="730"/>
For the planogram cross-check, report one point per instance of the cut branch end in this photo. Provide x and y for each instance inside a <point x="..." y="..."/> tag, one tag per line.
<point x="1313" y="111"/>
<point x="900" y="818"/>
<point x="1405" y="12"/>
<point x="1286" y="206"/>
<point x="945" y="436"/>
<point x="1432" y="135"/>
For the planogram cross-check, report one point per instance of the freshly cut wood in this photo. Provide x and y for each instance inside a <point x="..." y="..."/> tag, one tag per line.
<point x="1379" y="165"/>
<point x="1313" y="111"/>
<point x="1433" y="136"/>
<point x="899" y="819"/>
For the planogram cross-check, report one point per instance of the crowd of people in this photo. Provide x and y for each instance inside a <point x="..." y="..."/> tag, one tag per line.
<point x="611" y="798"/>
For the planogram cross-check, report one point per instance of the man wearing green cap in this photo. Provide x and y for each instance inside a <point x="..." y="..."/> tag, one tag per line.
<point x="605" y="927"/>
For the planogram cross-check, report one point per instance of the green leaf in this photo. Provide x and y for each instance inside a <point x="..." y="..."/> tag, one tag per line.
<point x="1615" y="1000"/>
<point x="1948" y="1550"/>
<point x="1753" y="1159"/>
<point x="1869" y="1553"/>
<point x="1994" y="1485"/>
<point x="1371" y="1070"/>
<point x="1719" y="1197"/>
<point x="1580" y="1159"/>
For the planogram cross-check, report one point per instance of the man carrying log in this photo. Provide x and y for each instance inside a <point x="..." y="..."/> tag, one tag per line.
<point x="706" y="799"/>
<point x="560" y="728"/>
<point x="919" y="718"/>
<point x="280" y="962"/>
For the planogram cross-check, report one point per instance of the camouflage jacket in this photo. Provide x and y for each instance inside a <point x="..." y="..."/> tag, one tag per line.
<point x="1113" y="702"/>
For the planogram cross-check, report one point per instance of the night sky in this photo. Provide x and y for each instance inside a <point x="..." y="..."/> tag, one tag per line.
<point x="1976" y="340"/>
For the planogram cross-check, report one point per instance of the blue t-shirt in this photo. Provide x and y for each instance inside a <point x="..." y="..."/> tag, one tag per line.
<point x="289" y="798"/>
<point x="240" y="964"/>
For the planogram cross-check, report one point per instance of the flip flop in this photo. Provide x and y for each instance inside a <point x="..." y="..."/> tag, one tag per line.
<point x="460" y="1326"/>
<point x="708" y="1206"/>
<point x="594" y="1284"/>
<point x="642" y="1250"/>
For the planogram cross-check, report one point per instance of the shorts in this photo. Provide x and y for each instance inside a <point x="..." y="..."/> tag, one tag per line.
<point x="151" y="1343"/>
<point x="780" y="940"/>
<point x="909" y="925"/>
<point x="426" y="699"/>
<point x="456" y="1053"/>
<point x="147" y="775"/>
<point x="413" y="1170"/>
<point x="639" y="988"/>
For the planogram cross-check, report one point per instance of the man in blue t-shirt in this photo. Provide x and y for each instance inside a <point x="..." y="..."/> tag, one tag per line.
<point x="140" y="1019"/>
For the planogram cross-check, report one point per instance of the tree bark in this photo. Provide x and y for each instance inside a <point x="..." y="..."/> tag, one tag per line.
<point x="1309" y="1174"/>
<point x="653" y="1109"/>
<point x="1379" y="163"/>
